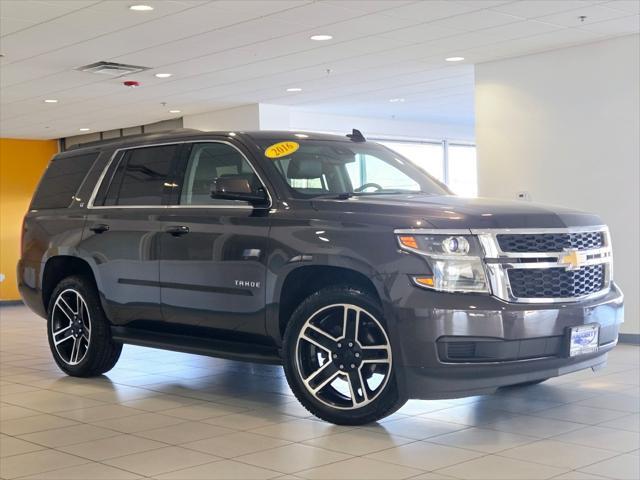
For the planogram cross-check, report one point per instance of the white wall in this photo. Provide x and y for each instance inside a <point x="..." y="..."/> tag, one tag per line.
<point x="281" y="117"/>
<point x="564" y="125"/>
<point x="380" y="127"/>
<point x="245" y="117"/>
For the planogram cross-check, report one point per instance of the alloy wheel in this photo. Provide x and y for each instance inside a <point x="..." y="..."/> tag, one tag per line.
<point x="343" y="356"/>
<point x="71" y="327"/>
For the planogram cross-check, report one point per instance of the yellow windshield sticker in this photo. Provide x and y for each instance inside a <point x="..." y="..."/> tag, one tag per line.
<point x="281" y="149"/>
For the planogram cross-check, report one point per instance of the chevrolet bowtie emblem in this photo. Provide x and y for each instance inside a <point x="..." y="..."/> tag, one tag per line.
<point x="571" y="259"/>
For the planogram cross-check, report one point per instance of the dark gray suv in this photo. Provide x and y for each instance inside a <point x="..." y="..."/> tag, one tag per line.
<point x="334" y="256"/>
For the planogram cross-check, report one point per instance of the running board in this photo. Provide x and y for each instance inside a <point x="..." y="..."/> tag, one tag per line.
<point x="199" y="346"/>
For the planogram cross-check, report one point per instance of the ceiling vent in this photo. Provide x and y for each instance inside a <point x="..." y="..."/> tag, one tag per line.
<point x="112" y="69"/>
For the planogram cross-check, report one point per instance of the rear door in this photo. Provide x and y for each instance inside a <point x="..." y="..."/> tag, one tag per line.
<point x="122" y="231"/>
<point x="213" y="251"/>
<point x="53" y="226"/>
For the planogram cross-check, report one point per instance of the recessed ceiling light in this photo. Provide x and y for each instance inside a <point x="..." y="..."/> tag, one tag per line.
<point x="174" y="111"/>
<point x="454" y="59"/>
<point x="294" y="89"/>
<point x="51" y="100"/>
<point x="321" y="38"/>
<point x="141" y="8"/>
<point x="85" y="129"/>
<point x="396" y="100"/>
<point x="163" y="75"/>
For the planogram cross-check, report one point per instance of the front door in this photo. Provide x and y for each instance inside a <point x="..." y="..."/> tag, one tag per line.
<point x="212" y="267"/>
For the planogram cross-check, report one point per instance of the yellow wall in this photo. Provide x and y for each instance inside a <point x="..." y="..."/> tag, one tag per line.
<point x="21" y="165"/>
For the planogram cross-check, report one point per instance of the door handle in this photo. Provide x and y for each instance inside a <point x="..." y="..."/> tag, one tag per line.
<point x="177" y="230"/>
<point x="99" y="228"/>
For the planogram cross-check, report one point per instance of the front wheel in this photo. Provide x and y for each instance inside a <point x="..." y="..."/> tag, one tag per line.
<point x="78" y="330"/>
<point x="338" y="357"/>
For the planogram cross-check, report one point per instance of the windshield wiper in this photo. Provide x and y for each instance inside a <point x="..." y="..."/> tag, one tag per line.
<point x="348" y="195"/>
<point x="335" y="196"/>
<point x="391" y="192"/>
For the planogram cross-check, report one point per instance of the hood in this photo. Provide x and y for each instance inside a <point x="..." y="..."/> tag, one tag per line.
<point x="451" y="212"/>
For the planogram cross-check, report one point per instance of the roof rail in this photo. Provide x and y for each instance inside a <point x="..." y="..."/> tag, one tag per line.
<point x="106" y="141"/>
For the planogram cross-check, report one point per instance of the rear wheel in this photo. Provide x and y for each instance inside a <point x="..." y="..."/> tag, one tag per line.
<point x="338" y="358"/>
<point x="79" y="333"/>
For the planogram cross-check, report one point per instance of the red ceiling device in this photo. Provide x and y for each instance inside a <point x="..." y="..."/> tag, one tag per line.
<point x="131" y="83"/>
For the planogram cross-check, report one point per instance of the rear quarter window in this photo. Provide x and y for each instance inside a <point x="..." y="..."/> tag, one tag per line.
<point x="61" y="181"/>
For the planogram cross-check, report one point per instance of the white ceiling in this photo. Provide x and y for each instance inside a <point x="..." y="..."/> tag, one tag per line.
<point x="233" y="52"/>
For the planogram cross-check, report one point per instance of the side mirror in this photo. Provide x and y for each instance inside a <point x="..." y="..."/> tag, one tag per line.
<point x="235" y="188"/>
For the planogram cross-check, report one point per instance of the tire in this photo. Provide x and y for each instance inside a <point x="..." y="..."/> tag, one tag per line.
<point x="81" y="345"/>
<point x="331" y="364"/>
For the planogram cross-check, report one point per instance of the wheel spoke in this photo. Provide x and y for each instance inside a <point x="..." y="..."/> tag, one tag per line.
<point x="57" y="341"/>
<point x="85" y="320"/>
<point x="375" y="354"/>
<point x="64" y="307"/>
<point x="319" y="338"/>
<point x="350" y="323"/>
<point x="62" y="330"/>
<point x="321" y="377"/>
<point x="357" y="387"/>
<point x="75" y="349"/>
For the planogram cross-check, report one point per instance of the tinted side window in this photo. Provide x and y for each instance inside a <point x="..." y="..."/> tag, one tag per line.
<point x="61" y="181"/>
<point x="141" y="175"/>
<point x="208" y="162"/>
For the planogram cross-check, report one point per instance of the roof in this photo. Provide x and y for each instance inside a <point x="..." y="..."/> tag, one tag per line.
<point x="289" y="135"/>
<point x="187" y="133"/>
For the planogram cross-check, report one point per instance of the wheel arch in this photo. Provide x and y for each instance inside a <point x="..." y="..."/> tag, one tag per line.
<point x="59" y="267"/>
<point x="303" y="280"/>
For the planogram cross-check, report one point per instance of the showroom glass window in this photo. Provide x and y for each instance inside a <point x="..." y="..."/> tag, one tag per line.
<point x="428" y="156"/>
<point x="462" y="170"/>
<point x="141" y="176"/>
<point x="452" y="163"/>
<point x="208" y="162"/>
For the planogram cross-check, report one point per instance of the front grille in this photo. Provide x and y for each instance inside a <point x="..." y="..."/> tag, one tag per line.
<point x="556" y="282"/>
<point x="550" y="242"/>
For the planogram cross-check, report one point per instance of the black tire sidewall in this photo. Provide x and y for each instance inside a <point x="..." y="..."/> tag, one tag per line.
<point x="100" y="332"/>
<point x="387" y="401"/>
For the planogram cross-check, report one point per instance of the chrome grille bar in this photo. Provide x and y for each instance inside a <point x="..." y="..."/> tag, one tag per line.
<point x="498" y="262"/>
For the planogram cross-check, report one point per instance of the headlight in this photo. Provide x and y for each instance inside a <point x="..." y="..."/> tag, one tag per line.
<point x="455" y="262"/>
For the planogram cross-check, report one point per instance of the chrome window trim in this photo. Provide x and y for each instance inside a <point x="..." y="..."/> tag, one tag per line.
<point x="94" y="193"/>
<point x="497" y="262"/>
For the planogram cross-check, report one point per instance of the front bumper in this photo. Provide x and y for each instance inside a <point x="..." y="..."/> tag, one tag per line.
<point x="503" y="343"/>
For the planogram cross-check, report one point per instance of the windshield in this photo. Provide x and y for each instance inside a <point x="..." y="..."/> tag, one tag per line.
<point x="323" y="167"/>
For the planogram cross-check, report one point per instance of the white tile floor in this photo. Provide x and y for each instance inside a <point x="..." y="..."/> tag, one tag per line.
<point x="167" y="415"/>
